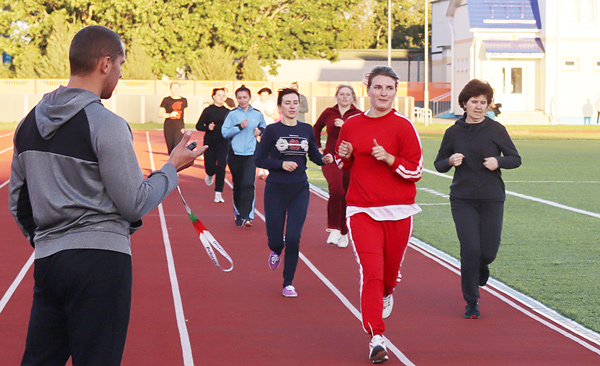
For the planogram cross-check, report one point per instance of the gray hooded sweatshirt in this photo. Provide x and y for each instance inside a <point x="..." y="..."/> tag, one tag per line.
<point x="76" y="182"/>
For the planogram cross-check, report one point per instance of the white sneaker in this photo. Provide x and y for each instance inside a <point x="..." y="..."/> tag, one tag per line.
<point x="219" y="197"/>
<point x="209" y="180"/>
<point x="334" y="236"/>
<point x="388" y="305"/>
<point x="377" y="350"/>
<point x="343" y="241"/>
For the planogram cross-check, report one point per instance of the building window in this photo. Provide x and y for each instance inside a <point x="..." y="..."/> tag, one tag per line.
<point x="569" y="65"/>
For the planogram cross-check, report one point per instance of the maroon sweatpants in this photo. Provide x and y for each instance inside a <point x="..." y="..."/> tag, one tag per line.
<point x="379" y="247"/>
<point x="338" y="181"/>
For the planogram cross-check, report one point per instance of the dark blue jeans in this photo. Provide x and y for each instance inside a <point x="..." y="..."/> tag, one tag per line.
<point x="285" y="207"/>
<point x="479" y="228"/>
<point x="81" y="307"/>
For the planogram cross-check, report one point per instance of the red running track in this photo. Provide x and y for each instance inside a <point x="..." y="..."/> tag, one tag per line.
<point x="240" y="318"/>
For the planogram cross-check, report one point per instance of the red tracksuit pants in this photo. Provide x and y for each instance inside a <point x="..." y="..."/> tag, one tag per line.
<point x="379" y="247"/>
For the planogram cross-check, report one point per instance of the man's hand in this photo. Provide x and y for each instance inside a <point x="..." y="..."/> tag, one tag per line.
<point x="380" y="154"/>
<point x="345" y="150"/>
<point x="182" y="157"/>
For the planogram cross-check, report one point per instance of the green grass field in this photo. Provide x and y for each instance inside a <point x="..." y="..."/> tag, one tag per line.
<point x="548" y="253"/>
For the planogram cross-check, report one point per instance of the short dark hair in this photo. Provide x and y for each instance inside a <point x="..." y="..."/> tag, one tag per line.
<point x="265" y="90"/>
<point x="215" y="90"/>
<point x="89" y="45"/>
<point x="285" y="91"/>
<point x="381" y="71"/>
<point x="475" y="88"/>
<point x="243" y="88"/>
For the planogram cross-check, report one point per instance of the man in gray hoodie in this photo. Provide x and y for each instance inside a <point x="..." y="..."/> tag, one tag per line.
<point x="77" y="192"/>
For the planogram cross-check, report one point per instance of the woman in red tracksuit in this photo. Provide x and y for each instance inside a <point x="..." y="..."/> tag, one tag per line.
<point x="383" y="152"/>
<point x="332" y="119"/>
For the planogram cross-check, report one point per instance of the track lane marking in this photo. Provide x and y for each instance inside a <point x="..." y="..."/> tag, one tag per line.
<point x="531" y="198"/>
<point x="13" y="287"/>
<point x="496" y="287"/>
<point x="186" y="347"/>
<point x="390" y="346"/>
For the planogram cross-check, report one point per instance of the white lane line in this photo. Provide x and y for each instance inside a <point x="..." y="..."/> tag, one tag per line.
<point x="7" y="134"/>
<point x="5" y="150"/>
<point x="3" y="184"/>
<point x="334" y="289"/>
<point x="433" y="192"/>
<point x="531" y="198"/>
<point x="495" y="287"/>
<point x="13" y="287"/>
<point x="554" y="181"/>
<point x="186" y="347"/>
<point x="529" y="305"/>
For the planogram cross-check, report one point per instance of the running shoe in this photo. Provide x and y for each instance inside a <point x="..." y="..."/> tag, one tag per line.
<point x="218" y="197"/>
<point x="343" y="242"/>
<point x="274" y="260"/>
<point x="377" y="350"/>
<point x="238" y="221"/>
<point x="334" y="236"/>
<point x="472" y="310"/>
<point x="388" y="305"/>
<point x="289" y="291"/>
<point x="247" y="223"/>
<point x="209" y="180"/>
<point x="484" y="275"/>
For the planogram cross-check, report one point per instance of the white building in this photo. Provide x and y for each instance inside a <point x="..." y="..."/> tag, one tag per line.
<point x="542" y="57"/>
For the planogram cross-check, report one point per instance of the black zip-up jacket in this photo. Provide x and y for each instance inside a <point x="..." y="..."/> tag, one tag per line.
<point x="477" y="141"/>
<point x="211" y="114"/>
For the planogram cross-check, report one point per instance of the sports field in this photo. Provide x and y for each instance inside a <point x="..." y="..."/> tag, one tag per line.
<point x="549" y="252"/>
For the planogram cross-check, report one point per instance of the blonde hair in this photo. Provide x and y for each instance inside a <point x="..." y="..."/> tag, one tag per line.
<point x="337" y="90"/>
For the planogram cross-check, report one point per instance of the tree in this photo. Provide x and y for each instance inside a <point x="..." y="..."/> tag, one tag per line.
<point x="139" y="63"/>
<point x="251" y="69"/>
<point x="213" y="63"/>
<point x="54" y="63"/>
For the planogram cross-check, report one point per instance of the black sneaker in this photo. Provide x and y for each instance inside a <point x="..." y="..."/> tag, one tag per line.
<point x="472" y="310"/>
<point x="484" y="275"/>
<point x="238" y="221"/>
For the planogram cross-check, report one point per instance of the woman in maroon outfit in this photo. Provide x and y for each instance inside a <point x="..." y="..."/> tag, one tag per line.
<point x="333" y="119"/>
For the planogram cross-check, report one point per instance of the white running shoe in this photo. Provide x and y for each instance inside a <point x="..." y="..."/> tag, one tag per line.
<point x="334" y="236"/>
<point x="209" y="180"/>
<point x="219" y="197"/>
<point x="343" y="241"/>
<point x="388" y="305"/>
<point x="377" y="350"/>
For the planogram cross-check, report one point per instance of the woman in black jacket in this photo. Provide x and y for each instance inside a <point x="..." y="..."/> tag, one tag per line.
<point x="477" y="147"/>
<point x="215" y="158"/>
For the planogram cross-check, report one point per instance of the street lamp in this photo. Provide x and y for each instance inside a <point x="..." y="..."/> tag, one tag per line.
<point x="389" y="33"/>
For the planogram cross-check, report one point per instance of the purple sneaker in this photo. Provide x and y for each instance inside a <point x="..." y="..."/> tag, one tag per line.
<point x="274" y="260"/>
<point x="289" y="291"/>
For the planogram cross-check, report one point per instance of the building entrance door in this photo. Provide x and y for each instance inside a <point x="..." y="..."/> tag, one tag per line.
<point x="510" y="86"/>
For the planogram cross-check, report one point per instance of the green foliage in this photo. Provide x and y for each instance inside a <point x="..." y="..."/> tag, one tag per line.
<point x="251" y="69"/>
<point x="166" y="33"/>
<point x="139" y="63"/>
<point x="26" y="63"/>
<point x="54" y="64"/>
<point x="213" y="63"/>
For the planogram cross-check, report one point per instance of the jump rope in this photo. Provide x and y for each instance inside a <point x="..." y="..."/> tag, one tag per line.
<point x="206" y="238"/>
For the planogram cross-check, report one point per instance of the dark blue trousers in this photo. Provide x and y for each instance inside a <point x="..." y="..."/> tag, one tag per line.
<point x="215" y="162"/>
<point x="285" y="208"/>
<point x="243" y="175"/>
<point x="479" y="228"/>
<point x="81" y="307"/>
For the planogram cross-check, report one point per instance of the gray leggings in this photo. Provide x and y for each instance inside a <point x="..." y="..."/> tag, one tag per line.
<point x="479" y="228"/>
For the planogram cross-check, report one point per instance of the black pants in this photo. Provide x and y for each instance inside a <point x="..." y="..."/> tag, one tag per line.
<point x="243" y="174"/>
<point x="81" y="306"/>
<point x="479" y="228"/>
<point x="172" y="131"/>
<point x="286" y="201"/>
<point x="215" y="162"/>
